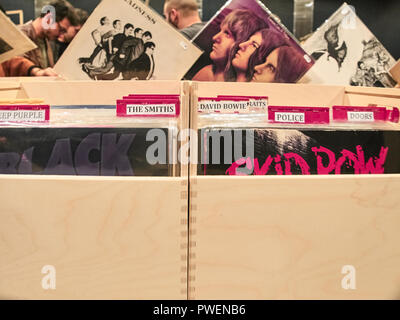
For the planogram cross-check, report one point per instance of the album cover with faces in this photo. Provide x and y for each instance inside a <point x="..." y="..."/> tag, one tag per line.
<point x="244" y="42"/>
<point x="127" y="40"/>
<point x="261" y="151"/>
<point x="347" y="53"/>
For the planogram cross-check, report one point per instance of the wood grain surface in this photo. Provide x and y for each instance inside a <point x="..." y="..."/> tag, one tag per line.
<point x="289" y="237"/>
<point x="108" y="238"/>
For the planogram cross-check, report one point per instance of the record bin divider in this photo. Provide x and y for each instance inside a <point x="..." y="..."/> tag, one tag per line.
<point x="395" y="72"/>
<point x="107" y="237"/>
<point x="9" y="89"/>
<point x="291" y="237"/>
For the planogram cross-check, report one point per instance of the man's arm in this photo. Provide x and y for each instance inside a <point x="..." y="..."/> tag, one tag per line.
<point x="21" y="67"/>
<point x="96" y="37"/>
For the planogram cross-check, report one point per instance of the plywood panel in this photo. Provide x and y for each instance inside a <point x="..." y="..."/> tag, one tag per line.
<point x="365" y="100"/>
<point x="9" y="89"/>
<point x="289" y="237"/>
<point x="279" y="94"/>
<point x="395" y="72"/>
<point x="373" y="91"/>
<point x="96" y="92"/>
<point x="108" y="238"/>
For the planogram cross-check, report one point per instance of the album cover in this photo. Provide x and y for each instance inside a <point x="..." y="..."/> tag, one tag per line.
<point x="347" y="53"/>
<point x="126" y="40"/>
<point x="243" y="42"/>
<point x="79" y="151"/>
<point x="12" y="41"/>
<point x="297" y="152"/>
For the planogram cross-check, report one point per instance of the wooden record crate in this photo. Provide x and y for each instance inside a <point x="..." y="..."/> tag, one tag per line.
<point x="290" y="237"/>
<point x="108" y="238"/>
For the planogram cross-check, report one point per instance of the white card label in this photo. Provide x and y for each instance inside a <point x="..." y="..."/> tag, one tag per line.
<point x="223" y="106"/>
<point x="23" y="115"/>
<point x="151" y="109"/>
<point x="360" y="116"/>
<point x="290" y="117"/>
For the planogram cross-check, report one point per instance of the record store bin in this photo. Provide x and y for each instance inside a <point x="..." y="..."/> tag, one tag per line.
<point x="92" y="233"/>
<point x="295" y="236"/>
<point x="180" y="232"/>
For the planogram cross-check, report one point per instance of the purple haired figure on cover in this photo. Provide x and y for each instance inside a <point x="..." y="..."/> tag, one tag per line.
<point x="236" y="28"/>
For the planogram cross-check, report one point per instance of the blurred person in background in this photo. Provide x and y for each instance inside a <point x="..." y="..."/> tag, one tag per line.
<point x="62" y="42"/>
<point x="41" y="32"/>
<point x="22" y="67"/>
<point x="184" y="15"/>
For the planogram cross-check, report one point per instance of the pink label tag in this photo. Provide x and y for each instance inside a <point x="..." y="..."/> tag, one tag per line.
<point x="148" y="108"/>
<point x="24" y="113"/>
<point x="365" y="114"/>
<point x="152" y="96"/>
<point x="298" y="115"/>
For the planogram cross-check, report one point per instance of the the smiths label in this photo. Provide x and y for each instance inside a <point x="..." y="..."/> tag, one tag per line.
<point x="22" y="115"/>
<point x="151" y="110"/>
<point x="289" y="117"/>
<point x="360" y="116"/>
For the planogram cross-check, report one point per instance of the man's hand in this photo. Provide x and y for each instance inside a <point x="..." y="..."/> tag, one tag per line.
<point x="48" y="72"/>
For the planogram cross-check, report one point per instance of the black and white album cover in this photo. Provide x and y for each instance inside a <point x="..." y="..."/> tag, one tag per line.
<point x="347" y="53"/>
<point x="126" y="40"/>
<point x="12" y="41"/>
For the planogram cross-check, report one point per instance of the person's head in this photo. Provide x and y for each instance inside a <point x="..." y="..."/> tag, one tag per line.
<point x="234" y="29"/>
<point x="128" y="29"/>
<point x="104" y="21"/>
<point x="81" y="16"/>
<point x="117" y="25"/>
<point x="138" y="32"/>
<point x="371" y="71"/>
<point x="361" y="65"/>
<point x="64" y="18"/>
<point x="254" y="51"/>
<point x="332" y="36"/>
<point x="147" y="36"/>
<point x="246" y="49"/>
<point x="149" y="47"/>
<point x="284" y="64"/>
<point x="181" y="13"/>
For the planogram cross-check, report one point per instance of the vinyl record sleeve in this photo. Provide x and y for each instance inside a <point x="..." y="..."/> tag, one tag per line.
<point x="239" y="48"/>
<point x="347" y="53"/>
<point x="79" y="151"/>
<point x="252" y="151"/>
<point x="102" y="51"/>
<point x="12" y="41"/>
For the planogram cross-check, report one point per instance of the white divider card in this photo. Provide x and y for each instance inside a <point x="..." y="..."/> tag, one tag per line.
<point x="365" y="114"/>
<point x="298" y="115"/>
<point x="231" y="104"/>
<point x="255" y="103"/>
<point x="141" y="107"/>
<point x="24" y="113"/>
